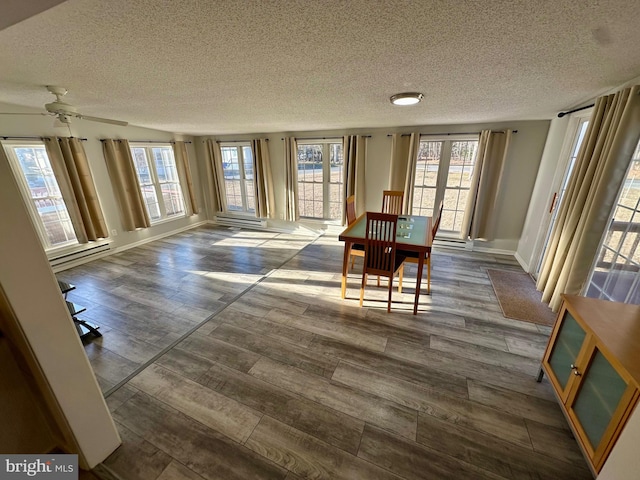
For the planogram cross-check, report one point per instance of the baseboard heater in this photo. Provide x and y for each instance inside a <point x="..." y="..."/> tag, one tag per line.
<point x="240" y="222"/>
<point x="78" y="255"/>
<point x="451" y="243"/>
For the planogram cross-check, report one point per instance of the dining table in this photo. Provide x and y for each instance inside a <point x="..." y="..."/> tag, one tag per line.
<point x="413" y="234"/>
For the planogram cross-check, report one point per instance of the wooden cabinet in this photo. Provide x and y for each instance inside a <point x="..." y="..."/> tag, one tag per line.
<point x="593" y="363"/>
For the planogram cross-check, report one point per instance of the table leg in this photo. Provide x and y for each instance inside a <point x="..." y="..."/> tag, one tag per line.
<point x="345" y="267"/>
<point x="418" y="282"/>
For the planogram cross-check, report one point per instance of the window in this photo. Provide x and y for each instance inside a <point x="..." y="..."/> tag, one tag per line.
<point x="237" y="165"/>
<point x="443" y="171"/>
<point x="158" y="178"/>
<point x="320" y="168"/>
<point x="32" y="169"/>
<point x="616" y="273"/>
<point x="424" y="190"/>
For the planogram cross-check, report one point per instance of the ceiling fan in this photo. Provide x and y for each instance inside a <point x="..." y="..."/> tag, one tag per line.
<point x="64" y="112"/>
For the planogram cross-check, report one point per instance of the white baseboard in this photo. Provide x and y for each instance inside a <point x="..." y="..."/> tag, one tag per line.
<point x="497" y="251"/>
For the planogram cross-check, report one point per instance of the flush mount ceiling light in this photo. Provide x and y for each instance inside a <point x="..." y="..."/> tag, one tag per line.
<point x="407" y="98"/>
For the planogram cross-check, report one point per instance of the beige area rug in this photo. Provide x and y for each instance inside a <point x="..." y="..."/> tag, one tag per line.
<point x="518" y="297"/>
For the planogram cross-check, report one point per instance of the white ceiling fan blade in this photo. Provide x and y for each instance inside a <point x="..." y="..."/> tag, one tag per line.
<point x="64" y="111"/>
<point x="102" y="120"/>
<point x="16" y="113"/>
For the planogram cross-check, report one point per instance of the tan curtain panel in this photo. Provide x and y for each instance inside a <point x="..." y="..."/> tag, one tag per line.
<point x="354" y="150"/>
<point x="184" y="174"/>
<point x="215" y="175"/>
<point x="479" y="221"/>
<point x="402" y="172"/>
<point x="71" y="169"/>
<point x="263" y="180"/>
<point x="124" y="180"/>
<point x="291" y="179"/>
<point x="410" y="177"/>
<point x="399" y="158"/>
<point x="600" y="168"/>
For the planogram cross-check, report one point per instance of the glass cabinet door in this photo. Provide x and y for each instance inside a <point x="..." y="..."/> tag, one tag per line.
<point x="566" y="348"/>
<point x="599" y="395"/>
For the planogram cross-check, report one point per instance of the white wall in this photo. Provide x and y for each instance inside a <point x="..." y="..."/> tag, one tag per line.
<point x="624" y="462"/>
<point x="520" y="172"/>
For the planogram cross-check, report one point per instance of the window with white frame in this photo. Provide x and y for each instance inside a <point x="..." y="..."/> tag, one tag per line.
<point x="40" y="190"/>
<point x="443" y="171"/>
<point x="320" y="171"/>
<point x="159" y="182"/>
<point x="237" y="166"/>
<point x="615" y="274"/>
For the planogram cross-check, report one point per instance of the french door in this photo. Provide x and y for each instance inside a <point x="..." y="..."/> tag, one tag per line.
<point x="444" y="169"/>
<point x="567" y="159"/>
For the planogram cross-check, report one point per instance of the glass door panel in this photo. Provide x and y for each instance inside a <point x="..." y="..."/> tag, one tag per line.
<point x="565" y="351"/>
<point x="426" y="181"/>
<point x="578" y="137"/>
<point x="599" y="395"/>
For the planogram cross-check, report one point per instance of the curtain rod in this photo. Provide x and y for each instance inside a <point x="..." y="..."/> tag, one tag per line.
<point x="34" y="138"/>
<point x="562" y="114"/>
<point x="144" y="141"/>
<point x="237" y="141"/>
<point x="450" y="133"/>
<point x="324" y="138"/>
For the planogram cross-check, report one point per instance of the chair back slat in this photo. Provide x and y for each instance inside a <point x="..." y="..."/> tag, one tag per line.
<point x="380" y="247"/>
<point x="380" y="252"/>
<point x="351" y="209"/>
<point x="436" y="222"/>
<point x="392" y="201"/>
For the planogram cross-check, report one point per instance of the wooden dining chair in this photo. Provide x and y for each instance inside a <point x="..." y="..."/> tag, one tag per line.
<point x="357" y="249"/>
<point x="380" y="256"/>
<point x="412" y="257"/>
<point x="392" y="201"/>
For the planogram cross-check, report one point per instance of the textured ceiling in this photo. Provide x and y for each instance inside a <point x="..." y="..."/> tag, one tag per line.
<point x="227" y="66"/>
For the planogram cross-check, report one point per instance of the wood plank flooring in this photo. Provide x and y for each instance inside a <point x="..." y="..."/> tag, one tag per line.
<point x="283" y="379"/>
<point x="147" y="298"/>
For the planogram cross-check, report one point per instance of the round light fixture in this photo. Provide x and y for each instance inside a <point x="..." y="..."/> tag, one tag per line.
<point x="407" y="98"/>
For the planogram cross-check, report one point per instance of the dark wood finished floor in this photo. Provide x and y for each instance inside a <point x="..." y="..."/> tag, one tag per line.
<point x="288" y="381"/>
<point x="148" y="298"/>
